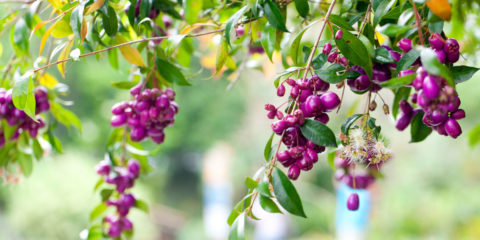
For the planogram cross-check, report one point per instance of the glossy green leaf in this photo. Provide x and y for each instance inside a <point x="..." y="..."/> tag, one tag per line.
<point x="106" y="193"/>
<point x="145" y="7"/>
<point x="474" y="136"/>
<point x="418" y="130"/>
<point x="431" y="63"/>
<point x="381" y="8"/>
<point x="268" y="148"/>
<point x="141" y="205"/>
<point x="171" y="73"/>
<point x="26" y="163"/>
<point x="393" y="30"/>
<point x="98" y="211"/>
<point x="269" y="205"/>
<point x="23" y="96"/>
<point x="331" y="158"/>
<point x="463" y="73"/>
<point x="238" y="209"/>
<point x="268" y="40"/>
<point x="250" y="183"/>
<point x="286" y="193"/>
<point x="340" y="22"/>
<point x="238" y="228"/>
<point x="347" y="124"/>
<point x="382" y="55"/>
<point x="286" y="72"/>
<point x="263" y="187"/>
<point x="19" y="36"/>
<point x="274" y="15"/>
<point x="407" y="60"/>
<point x="123" y="84"/>
<point x="192" y="10"/>
<point x="65" y="116"/>
<point x="222" y="56"/>
<point x="355" y="51"/>
<point x="294" y="47"/>
<point x="399" y="81"/>
<point x="76" y="19"/>
<point x="302" y="7"/>
<point x="318" y="133"/>
<point x="37" y="149"/>
<point x="400" y="94"/>
<point x="110" y="21"/>
<point x="113" y="58"/>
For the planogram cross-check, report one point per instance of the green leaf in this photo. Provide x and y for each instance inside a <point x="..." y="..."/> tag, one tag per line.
<point x="286" y="193"/>
<point x="302" y="7"/>
<point x="268" y="40"/>
<point x="463" y="73"/>
<point x="381" y="9"/>
<point x="295" y="45"/>
<point x="113" y="58"/>
<point x="376" y="129"/>
<point x="433" y="66"/>
<point x="192" y="10"/>
<point x="171" y="73"/>
<point x="37" y="149"/>
<point x="418" y="130"/>
<point x="76" y="19"/>
<point x="400" y="94"/>
<point x="340" y="22"/>
<point x="142" y="205"/>
<point x="109" y="20"/>
<point x="347" y="124"/>
<point x="407" y="60"/>
<point x="222" y="56"/>
<point x="269" y="205"/>
<point x="250" y="183"/>
<point x="65" y="116"/>
<point x="274" y="16"/>
<point x="399" y="81"/>
<point x="393" y="30"/>
<point x="54" y="141"/>
<point x="268" y="148"/>
<point x="26" y="163"/>
<point x="19" y="36"/>
<point x="232" y="21"/>
<point x="331" y="158"/>
<point x="382" y="55"/>
<point x="263" y="187"/>
<point x="145" y="7"/>
<point x="318" y="133"/>
<point x="289" y="70"/>
<point x="123" y="84"/>
<point x="355" y="51"/>
<point x="474" y="136"/>
<point x="238" y="209"/>
<point x="23" y="96"/>
<point x="106" y="193"/>
<point x="97" y="211"/>
<point x="238" y="228"/>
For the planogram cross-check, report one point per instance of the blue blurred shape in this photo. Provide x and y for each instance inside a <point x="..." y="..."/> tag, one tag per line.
<point x="352" y="225"/>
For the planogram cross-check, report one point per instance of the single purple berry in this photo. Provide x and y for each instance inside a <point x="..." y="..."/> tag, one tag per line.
<point x="327" y="48"/>
<point x="441" y="56"/>
<point x="138" y="134"/>
<point x="353" y="202"/>
<point x="431" y="89"/>
<point x="281" y="90"/>
<point x="323" y="118"/>
<point x="438" y="117"/>
<point x="453" y="128"/>
<point x="279" y="126"/>
<point x="330" y="100"/>
<point x="332" y="56"/>
<point x="436" y="41"/>
<point x="313" y="104"/>
<point x="118" y="120"/>
<point x="405" y="106"/>
<point x="405" y="44"/>
<point x="339" y="34"/>
<point x="134" y="91"/>
<point x="102" y="168"/>
<point x="293" y="172"/>
<point x="459" y="114"/>
<point x="403" y="121"/>
<point x="452" y="49"/>
<point x="134" y="167"/>
<point x="405" y="72"/>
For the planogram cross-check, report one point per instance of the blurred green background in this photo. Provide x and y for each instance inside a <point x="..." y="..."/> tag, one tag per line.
<point x="430" y="189"/>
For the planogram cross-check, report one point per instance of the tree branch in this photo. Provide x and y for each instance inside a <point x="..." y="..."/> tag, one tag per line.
<point x="418" y="21"/>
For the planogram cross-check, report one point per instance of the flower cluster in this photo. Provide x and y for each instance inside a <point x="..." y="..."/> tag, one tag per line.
<point x="435" y="97"/>
<point x="308" y="99"/>
<point x="147" y="115"/>
<point x="363" y="150"/>
<point x="17" y="117"/>
<point x="123" y="178"/>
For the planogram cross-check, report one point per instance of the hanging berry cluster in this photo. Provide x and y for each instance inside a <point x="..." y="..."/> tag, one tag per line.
<point x="436" y="99"/>
<point x="17" y="117"/>
<point x="147" y="115"/>
<point x="123" y="178"/>
<point x="309" y="99"/>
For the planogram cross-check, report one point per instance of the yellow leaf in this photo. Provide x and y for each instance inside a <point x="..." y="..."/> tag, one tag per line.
<point x="57" y="4"/>
<point x="64" y="55"/>
<point x="132" y="55"/>
<point x="441" y="8"/>
<point x="380" y="37"/>
<point x="95" y="6"/>
<point x="62" y="29"/>
<point x="38" y="26"/>
<point x="83" y="30"/>
<point x="1" y="49"/>
<point x="48" y="81"/>
<point x="45" y="37"/>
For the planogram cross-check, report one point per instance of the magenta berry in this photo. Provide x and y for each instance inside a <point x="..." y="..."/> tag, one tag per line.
<point x="405" y="44"/>
<point x="339" y="34"/>
<point x="353" y="202"/>
<point x="330" y="100"/>
<point x="281" y="90"/>
<point x="327" y="48"/>
<point x="431" y="89"/>
<point x="436" y="41"/>
<point x="293" y="172"/>
<point x="453" y="128"/>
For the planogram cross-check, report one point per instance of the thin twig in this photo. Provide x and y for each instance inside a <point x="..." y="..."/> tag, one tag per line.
<point x="418" y="22"/>
<point x="126" y="44"/>
<point x="365" y="19"/>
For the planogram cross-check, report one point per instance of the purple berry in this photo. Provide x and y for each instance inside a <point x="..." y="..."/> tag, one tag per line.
<point x="134" y="167"/>
<point x="332" y="56"/>
<point x="459" y="114"/>
<point x="405" y="106"/>
<point x="281" y="90"/>
<point x="313" y="104"/>
<point x="327" y="48"/>
<point x="118" y="120"/>
<point x="441" y="56"/>
<point x="452" y="49"/>
<point x="330" y="100"/>
<point x="138" y="134"/>
<point x="405" y="44"/>
<point x="436" y="41"/>
<point x="453" y="128"/>
<point x="339" y="34"/>
<point x="403" y="121"/>
<point x="279" y="126"/>
<point x="431" y="89"/>
<point x="102" y="168"/>
<point x="294" y="172"/>
<point x="353" y="202"/>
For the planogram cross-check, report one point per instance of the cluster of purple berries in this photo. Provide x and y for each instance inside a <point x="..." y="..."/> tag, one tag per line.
<point x="17" y="117"/>
<point x="436" y="98"/>
<point x="123" y="178"/>
<point x="310" y="99"/>
<point x="147" y="115"/>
